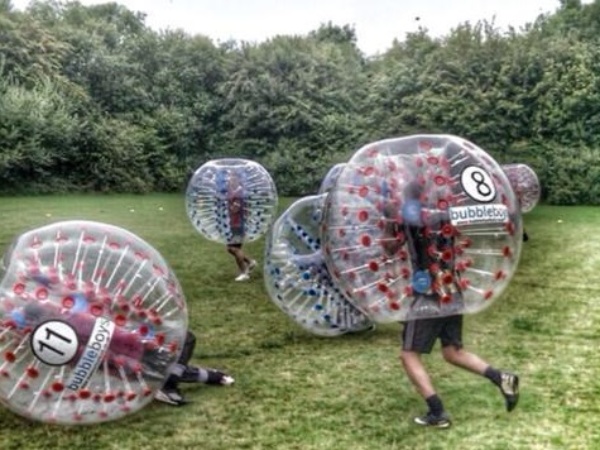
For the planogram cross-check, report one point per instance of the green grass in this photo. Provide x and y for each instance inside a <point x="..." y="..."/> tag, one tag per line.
<point x="298" y="391"/>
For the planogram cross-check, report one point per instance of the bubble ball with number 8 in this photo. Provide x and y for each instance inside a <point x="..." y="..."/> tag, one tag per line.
<point x="91" y="319"/>
<point x="421" y="226"/>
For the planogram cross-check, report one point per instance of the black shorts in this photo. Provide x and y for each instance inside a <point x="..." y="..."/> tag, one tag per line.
<point x="420" y="335"/>
<point x="234" y="245"/>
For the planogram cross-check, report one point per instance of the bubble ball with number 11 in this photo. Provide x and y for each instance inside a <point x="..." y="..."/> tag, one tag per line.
<point x="91" y="319"/>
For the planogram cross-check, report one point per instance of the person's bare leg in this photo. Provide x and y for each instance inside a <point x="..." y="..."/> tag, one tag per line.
<point x="411" y="361"/>
<point x="239" y="256"/>
<point x="436" y="416"/>
<point x="507" y="382"/>
<point x="464" y="359"/>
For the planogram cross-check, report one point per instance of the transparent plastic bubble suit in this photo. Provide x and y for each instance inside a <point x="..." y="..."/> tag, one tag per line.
<point x="422" y="226"/>
<point x="231" y="201"/>
<point x="297" y="278"/>
<point x="91" y="319"/>
<point x="330" y="178"/>
<point x="525" y="184"/>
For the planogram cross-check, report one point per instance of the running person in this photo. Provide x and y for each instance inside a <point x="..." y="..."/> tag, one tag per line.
<point x="436" y="288"/>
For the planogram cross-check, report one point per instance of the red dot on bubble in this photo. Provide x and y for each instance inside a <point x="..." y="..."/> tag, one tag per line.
<point x="68" y="302"/>
<point x="9" y="356"/>
<point x="32" y="372"/>
<point x="394" y="306"/>
<point x="440" y="180"/>
<point x="19" y="288"/>
<point x="365" y="240"/>
<point x="120" y="320"/>
<point x="363" y="216"/>
<point x="447" y="255"/>
<point x="488" y="295"/>
<point x="363" y="191"/>
<point x="374" y="266"/>
<point x="506" y="251"/>
<point x="84" y="394"/>
<point x="447" y="230"/>
<point x="96" y="309"/>
<point x="382" y="287"/>
<point x="57" y="386"/>
<point x="160" y="338"/>
<point x="41" y="294"/>
<point x="510" y="228"/>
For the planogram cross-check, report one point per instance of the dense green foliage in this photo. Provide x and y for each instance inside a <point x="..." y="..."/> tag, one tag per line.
<point x="92" y="99"/>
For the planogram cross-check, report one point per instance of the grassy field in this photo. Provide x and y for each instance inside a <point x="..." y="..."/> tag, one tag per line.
<point x="298" y="391"/>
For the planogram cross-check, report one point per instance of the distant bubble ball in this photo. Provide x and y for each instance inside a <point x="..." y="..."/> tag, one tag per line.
<point x="525" y="184"/>
<point x="91" y="319"/>
<point x="330" y="178"/>
<point x="231" y="201"/>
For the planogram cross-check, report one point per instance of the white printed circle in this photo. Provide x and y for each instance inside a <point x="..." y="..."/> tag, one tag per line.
<point x="54" y="342"/>
<point x="478" y="184"/>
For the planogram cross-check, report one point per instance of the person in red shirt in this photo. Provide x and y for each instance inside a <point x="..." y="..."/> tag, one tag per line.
<point x="236" y="213"/>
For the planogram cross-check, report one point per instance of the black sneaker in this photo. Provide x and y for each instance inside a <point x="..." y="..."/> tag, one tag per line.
<point x="171" y="396"/>
<point x="219" y="378"/>
<point x="509" y="386"/>
<point x="434" y="420"/>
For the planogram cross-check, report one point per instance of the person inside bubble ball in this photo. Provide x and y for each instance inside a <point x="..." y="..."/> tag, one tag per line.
<point x="183" y="372"/>
<point x="235" y="207"/>
<point x="128" y="347"/>
<point x="436" y="288"/>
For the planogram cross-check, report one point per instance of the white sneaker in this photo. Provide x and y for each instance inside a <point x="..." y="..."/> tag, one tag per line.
<point x="242" y="277"/>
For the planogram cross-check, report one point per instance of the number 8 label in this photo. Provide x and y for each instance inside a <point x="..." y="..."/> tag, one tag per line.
<point x="478" y="184"/>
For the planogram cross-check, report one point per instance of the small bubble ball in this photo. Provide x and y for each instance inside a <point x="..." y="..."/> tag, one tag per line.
<point x="91" y="320"/>
<point x="421" y="226"/>
<point x="231" y="201"/>
<point x="297" y="278"/>
<point x="525" y="184"/>
<point x="330" y="178"/>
